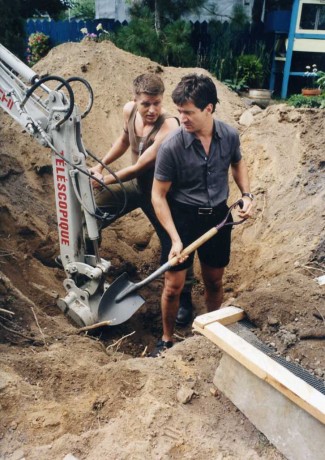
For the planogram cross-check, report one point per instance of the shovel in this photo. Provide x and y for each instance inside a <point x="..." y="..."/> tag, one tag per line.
<point x="120" y="301"/>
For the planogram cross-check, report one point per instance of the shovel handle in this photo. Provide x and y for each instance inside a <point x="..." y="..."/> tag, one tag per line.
<point x="174" y="261"/>
<point x="170" y="263"/>
<point x="208" y="235"/>
<point x="187" y="251"/>
<point x="193" y="246"/>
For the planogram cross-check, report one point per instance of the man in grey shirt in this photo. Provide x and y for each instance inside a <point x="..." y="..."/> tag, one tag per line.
<point x="190" y="192"/>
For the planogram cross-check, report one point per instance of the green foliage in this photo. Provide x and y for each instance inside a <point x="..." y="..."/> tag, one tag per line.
<point x="250" y="70"/>
<point x="228" y="41"/>
<point x="139" y="37"/>
<point x="83" y="9"/>
<point x="38" y="47"/>
<point x="175" y="39"/>
<point x="14" y="12"/>
<point x="298" y="100"/>
<point x="12" y="31"/>
<point x="103" y="34"/>
<point x="239" y="18"/>
<point x="38" y="8"/>
<point x="321" y="79"/>
<point x="170" y="47"/>
<point x="155" y="31"/>
<point x="166" y="10"/>
<point x="235" y="85"/>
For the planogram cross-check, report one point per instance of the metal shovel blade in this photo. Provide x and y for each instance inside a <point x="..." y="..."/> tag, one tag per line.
<point x="118" y="312"/>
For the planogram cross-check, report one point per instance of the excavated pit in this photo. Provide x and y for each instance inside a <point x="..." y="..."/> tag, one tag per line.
<point x="92" y="394"/>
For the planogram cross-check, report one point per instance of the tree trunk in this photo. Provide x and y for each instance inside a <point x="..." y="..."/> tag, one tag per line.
<point x="157" y="18"/>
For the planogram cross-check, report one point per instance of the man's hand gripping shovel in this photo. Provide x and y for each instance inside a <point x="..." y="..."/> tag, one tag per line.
<point x="120" y="301"/>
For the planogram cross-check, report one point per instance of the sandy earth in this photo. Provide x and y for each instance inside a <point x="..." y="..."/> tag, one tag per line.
<point x="93" y="396"/>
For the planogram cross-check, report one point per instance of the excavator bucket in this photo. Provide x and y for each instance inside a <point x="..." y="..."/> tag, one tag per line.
<point x="118" y="311"/>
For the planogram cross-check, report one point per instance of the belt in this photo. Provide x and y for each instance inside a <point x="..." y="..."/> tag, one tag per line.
<point x="205" y="211"/>
<point x="201" y="210"/>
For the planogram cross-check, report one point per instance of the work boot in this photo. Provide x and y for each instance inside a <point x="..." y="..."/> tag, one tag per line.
<point x="185" y="310"/>
<point x="160" y="348"/>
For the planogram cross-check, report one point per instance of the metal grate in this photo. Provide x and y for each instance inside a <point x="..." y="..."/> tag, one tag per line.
<point x="242" y="328"/>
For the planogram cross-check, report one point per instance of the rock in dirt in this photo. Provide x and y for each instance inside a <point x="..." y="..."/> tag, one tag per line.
<point x="184" y="395"/>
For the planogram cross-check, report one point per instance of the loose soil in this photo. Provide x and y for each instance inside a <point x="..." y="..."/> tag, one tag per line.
<point x="97" y="395"/>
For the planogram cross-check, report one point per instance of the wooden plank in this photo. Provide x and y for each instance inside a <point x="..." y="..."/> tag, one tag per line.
<point x="294" y="388"/>
<point x="226" y="315"/>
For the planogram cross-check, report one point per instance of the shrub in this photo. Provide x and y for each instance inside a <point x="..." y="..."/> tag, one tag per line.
<point x="38" y="47"/>
<point x="321" y="79"/>
<point x="250" y="70"/>
<point x="298" y="100"/>
<point x="103" y="35"/>
<point x="175" y="41"/>
<point x="139" y="37"/>
<point x="237" y="86"/>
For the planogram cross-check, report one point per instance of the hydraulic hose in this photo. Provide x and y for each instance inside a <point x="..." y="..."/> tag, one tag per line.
<point x="89" y="88"/>
<point x="64" y="83"/>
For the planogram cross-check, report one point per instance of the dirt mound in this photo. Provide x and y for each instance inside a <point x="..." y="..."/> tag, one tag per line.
<point x="95" y="396"/>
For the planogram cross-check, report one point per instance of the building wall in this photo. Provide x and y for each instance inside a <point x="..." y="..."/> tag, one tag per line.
<point x="118" y="10"/>
<point x="112" y="9"/>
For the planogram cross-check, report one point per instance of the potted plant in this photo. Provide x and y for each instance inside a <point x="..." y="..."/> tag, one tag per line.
<point x="252" y="72"/>
<point x="311" y="75"/>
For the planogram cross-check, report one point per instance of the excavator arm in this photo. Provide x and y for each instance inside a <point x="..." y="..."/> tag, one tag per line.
<point x="55" y="122"/>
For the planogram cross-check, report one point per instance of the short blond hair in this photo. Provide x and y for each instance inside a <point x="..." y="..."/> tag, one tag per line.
<point x="148" y="83"/>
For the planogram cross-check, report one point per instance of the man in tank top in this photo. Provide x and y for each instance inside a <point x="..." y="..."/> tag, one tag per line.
<point x="146" y="125"/>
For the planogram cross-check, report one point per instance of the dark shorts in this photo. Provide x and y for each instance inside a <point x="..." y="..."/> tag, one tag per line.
<point x="191" y="225"/>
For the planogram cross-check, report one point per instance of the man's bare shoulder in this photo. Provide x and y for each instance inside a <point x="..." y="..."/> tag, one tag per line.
<point x="127" y="109"/>
<point x="171" y="123"/>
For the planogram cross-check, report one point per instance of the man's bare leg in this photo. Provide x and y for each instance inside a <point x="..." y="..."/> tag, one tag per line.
<point x="174" y="283"/>
<point x="212" y="278"/>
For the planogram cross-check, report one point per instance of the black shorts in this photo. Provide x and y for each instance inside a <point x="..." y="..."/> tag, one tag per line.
<point x="191" y="225"/>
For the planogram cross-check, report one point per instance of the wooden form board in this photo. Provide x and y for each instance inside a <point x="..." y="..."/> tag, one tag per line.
<point x="264" y="367"/>
<point x="225" y="316"/>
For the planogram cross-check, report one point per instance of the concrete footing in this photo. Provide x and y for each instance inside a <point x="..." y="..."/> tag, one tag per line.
<point x="294" y="432"/>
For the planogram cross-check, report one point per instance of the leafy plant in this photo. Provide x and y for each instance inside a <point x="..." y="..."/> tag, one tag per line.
<point x="38" y="47"/>
<point x="102" y="33"/>
<point x="250" y="70"/>
<point x="226" y="41"/>
<point x="321" y="79"/>
<point x="235" y="85"/>
<point x="298" y="100"/>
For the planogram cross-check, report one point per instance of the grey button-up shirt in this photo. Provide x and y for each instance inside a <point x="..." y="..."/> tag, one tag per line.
<point x="198" y="179"/>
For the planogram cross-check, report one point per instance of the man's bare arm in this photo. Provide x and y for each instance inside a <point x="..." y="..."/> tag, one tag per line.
<point x="119" y="147"/>
<point x="240" y="174"/>
<point x="148" y="158"/>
